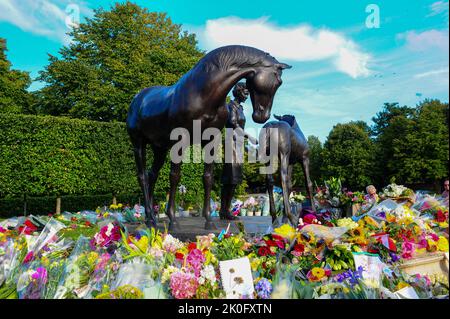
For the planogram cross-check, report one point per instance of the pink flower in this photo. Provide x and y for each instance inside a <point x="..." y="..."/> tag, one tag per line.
<point x="434" y="236"/>
<point x="408" y="249"/>
<point x="195" y="260"/>
<point x="2" y="230"/>
<point x="40" y="274"/>
<point x="29" y="257"/>
<point x="183" y="285"/>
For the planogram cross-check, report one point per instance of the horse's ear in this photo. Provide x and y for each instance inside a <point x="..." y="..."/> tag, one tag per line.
<point x="283" y="66"/>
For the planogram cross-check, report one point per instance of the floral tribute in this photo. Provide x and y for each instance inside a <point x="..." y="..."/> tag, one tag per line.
<point x="94" y="255"/>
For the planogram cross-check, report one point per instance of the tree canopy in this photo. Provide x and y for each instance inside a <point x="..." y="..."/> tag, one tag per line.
<point x="348" y="154"/>
<point x="14" y="97"/>
<point x="112" y="57"/>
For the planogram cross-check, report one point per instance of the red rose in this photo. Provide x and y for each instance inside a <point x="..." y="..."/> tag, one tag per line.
<point x="277" y="237"/>
<point x="299" y="247"/>
<point x="440" y="217"/>
<point x="73" y="219"/>
<point x="87" y="223"/>
<point x="179" y="256"/>
<point x="271" y="243"/>
<point x="264" y="251"/>
<point x="192" y="246"/>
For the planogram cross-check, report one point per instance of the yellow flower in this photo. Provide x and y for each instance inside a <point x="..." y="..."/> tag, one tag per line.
<point x="443" y="225"/>
<point x="401" y="285"/>
<point x="142" y="243"/>
<point x="255" y="264"/>
<point x="442" y="244"/>
<point x="318" y="272"/>
<point x="45" y="261"/>
<point x="92" y="257"/>
<point x="390" y="218"/>
<point x="417" y="230"/>
<point x="119" y="206"/>
<point x="286" y="231"/>
<point x="105" y="214"/>
<point x="370" y="221"/>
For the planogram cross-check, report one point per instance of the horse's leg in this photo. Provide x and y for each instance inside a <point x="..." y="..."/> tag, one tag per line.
<point x="208" y="179"/>
<point x="305" y="166"/>
<point x="159" y="157"/>
<point x="289" y="179"/>
<point x="285" y="183"/>
<point x="139" y="147"/>
<point x="269" y="185"/>
<point x="175" y="170"/>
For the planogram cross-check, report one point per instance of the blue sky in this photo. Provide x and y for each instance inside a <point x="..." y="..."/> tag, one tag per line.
<point x="342" y="70"/>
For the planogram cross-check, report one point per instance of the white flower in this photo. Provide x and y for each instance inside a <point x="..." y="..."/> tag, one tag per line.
<point x="208" y="273"/>
<point x="171" y="244"/>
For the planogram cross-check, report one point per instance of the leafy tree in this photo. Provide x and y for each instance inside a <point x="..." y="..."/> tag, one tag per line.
<point x="348" y="154"/>
<point x="421" y="154"/>
<point x="315" y="158"/>
<point x="389" y="124"/>
<point x="112" y="57"/>
<point x="14" y="97"/>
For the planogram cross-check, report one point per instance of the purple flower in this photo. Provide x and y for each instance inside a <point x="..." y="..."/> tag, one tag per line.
<point x="263" y="288"/>
<point x="394" y="257"/>
<point x="40" y="274"/>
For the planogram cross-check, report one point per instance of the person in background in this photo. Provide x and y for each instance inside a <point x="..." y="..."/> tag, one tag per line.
<point x="445" y="192"/>
<point x="371" y="196"/>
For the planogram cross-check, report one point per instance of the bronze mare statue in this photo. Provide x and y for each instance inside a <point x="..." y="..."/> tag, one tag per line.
<point x="199" y="95"/>
<point x="292" y="148"/>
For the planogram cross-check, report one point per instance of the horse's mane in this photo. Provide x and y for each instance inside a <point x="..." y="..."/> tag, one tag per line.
<point x="237" y="56"/>
<point x="288" y="118"/>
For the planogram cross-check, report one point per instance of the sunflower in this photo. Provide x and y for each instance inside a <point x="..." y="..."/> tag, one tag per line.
<point x="372" y="222"/>
<point x="442" y="244"/>
<point x="357" y="232"/>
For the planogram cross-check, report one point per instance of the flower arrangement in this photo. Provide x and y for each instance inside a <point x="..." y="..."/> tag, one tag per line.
<point x="314" y="260"/>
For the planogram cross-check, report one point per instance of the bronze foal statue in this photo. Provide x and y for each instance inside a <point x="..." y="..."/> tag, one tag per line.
<point x="292" y="148"/>
<point x="199" y="95"/>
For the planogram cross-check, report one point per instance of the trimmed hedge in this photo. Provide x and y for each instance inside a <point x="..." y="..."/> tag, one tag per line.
<point x="73" y="203"/>
<point x="55" y="156"/>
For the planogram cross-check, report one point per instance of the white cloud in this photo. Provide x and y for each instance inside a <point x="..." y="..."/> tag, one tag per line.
<point x="437" y="8"/>
<point x="426" y="40"/>
<point x="296" y="43"/>
<point x="432" y="73"/>
<point x="41" y="17"/>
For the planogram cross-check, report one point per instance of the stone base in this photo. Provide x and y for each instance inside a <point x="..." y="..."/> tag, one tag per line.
<point x="190" y="227"/>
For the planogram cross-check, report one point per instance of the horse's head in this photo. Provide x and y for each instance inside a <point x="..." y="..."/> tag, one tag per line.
<point x="286" y="118"/>
<point x="262" y="86"/>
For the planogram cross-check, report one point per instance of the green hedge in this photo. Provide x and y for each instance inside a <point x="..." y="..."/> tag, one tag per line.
<point x="50" y="156"/>
<point x="72" y="203"/>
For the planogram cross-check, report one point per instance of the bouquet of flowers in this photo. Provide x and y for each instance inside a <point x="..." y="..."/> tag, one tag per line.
<point x="397" y="192"/>
<point x="32" y="282"/>
<point x="108" y="236"/>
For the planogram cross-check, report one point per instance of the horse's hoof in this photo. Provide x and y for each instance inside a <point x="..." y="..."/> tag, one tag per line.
<point x="174" y="226"/>
<point x="209" y="225"/>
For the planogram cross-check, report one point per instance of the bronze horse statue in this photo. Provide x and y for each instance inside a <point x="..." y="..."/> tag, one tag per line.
<point x="292" y="148"/>
<point x="199" y="95"/>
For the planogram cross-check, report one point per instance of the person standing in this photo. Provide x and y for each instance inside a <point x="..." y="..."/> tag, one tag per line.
<point x="232" y="170"/>
<point x="446" y="187"/>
